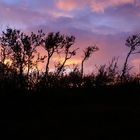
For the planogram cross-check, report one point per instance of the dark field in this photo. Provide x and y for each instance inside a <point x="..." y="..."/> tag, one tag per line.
<point x="71" y="114"/>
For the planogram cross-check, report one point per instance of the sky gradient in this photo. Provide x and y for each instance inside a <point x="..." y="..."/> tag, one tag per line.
<point x="106" y="23"/>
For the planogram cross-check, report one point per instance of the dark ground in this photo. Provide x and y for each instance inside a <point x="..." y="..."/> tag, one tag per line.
<point x="103" y="113"/>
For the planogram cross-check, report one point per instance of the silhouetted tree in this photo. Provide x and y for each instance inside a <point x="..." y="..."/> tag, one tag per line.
<point x="39" y="59"/>
<point x="21" y="48"/>
<point x="68" y="42"/>
<point x="52" y="43"/>
<point x="23" y="72"/>
<point x="10" y="39"/>
<point x="133" y="42"/>
<point x="87" y="53"/>
<point x="29" y="45"/>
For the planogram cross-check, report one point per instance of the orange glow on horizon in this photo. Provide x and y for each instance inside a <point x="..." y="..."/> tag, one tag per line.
<point x="69" y="62"/>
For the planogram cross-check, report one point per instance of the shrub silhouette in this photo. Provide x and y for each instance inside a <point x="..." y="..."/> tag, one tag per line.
<point x="22" y="72"/>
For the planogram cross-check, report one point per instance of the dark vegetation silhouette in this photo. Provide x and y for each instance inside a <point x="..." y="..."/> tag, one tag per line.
<point x="133" y="42"/>
<point x="64" y="104"/>
<point x="20" y="50"/>
<point x="87" y="53"/>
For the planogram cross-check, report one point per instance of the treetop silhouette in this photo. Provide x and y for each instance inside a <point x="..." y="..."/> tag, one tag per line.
<point x="21" y="49"/>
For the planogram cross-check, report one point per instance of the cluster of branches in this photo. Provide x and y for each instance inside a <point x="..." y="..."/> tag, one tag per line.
<point x="20" y="49"/>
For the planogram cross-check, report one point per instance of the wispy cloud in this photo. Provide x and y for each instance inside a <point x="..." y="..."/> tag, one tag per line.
<point x="95" y="5"/>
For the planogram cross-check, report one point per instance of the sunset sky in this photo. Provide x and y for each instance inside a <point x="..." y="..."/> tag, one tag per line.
<point x="106" y="23"/>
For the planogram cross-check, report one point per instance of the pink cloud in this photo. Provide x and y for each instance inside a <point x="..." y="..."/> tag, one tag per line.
<point x="101" y="5"/>
<point x="95" y="5"/>
<point x="69" y="4"/>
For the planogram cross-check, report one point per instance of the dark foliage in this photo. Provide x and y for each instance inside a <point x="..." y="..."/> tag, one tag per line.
<point x="61" y="105"/>
<point x="23" y="72"/>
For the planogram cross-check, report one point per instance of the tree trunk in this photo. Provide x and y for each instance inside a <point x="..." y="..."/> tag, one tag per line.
<point x="82" y="66"/>
<point x="62" y="66"/>
<point x="47" y="67"/>
<point x="125" y="65"/>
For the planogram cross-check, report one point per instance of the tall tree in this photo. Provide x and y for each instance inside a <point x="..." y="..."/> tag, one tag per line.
<point x="10" y="39"/>
<point x="68" y="53"/>
<point x="52" y="43"/>
<point x="87" y="53"/>
<point x="133" y="42"/>
<point x="30" y="42"/>
<point x="22" y="47"/>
